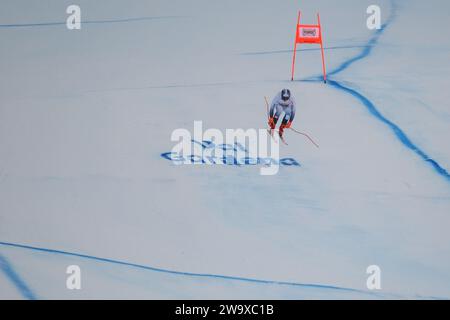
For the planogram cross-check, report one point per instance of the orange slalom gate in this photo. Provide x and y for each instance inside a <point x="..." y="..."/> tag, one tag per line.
<point x="309" y="34"/>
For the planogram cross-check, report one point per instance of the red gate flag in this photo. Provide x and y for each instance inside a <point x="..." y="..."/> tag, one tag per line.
<point x="308" y="33"/>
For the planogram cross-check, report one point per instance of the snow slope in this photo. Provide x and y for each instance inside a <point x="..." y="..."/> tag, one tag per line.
<point x="85" y="116"/>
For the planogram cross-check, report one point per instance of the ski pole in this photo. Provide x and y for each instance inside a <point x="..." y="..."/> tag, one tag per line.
<point x="268" y="116"/>
<point x="267" y="106"/>
<point x="302" y="133"/>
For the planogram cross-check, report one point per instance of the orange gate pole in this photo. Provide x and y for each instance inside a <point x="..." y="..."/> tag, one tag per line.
<point x="295" y="47"/>
<point x="321" y="47"/>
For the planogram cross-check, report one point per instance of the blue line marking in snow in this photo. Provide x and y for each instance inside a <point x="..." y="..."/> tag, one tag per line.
<point x="12" y="275"/>
<point x="398" y="132"/>
<point x="300" y="50"/>
<point x="59" y="23"/>
<point x="367" y="49"/>
<point x="189" y="274"/>
<point x="370" y="106"/>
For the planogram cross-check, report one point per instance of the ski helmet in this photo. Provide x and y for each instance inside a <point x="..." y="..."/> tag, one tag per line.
<point x="285" y="94"/>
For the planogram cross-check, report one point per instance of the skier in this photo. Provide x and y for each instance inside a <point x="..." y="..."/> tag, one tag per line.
<point x="282" y="103"/>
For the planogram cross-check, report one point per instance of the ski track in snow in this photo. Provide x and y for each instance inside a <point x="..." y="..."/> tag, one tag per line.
<point x="27" y="293"/>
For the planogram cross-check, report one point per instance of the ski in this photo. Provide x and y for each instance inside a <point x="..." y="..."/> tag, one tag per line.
<point x="270" y="132"/>
<point x="284" y="141"/>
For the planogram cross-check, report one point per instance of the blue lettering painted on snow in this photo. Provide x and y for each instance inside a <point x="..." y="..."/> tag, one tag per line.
<point x="233" y="155"/>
